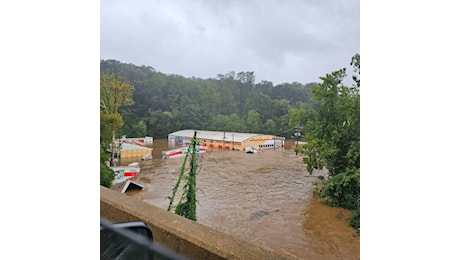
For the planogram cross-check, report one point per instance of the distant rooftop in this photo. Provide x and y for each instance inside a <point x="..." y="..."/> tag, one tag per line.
<point x="215" y="135"/>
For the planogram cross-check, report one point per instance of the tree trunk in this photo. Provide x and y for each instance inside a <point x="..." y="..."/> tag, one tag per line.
<point x="113" y="147"/>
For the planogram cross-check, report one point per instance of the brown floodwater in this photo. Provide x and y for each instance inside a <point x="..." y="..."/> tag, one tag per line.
<point x="265" y="198"/>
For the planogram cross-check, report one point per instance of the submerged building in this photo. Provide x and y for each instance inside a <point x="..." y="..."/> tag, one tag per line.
<point x="227" y="140"/>
<point x="132" y="150"/>
<point x="143" y="141"/>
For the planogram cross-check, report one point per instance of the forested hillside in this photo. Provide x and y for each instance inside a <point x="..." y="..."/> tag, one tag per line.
<point x="165" y="103"/>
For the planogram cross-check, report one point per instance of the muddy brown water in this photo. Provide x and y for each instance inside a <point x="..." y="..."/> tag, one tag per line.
<point x="265" y="198"/>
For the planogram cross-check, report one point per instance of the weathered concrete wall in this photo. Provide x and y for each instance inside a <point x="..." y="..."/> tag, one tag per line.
<point x="178" y="233"/>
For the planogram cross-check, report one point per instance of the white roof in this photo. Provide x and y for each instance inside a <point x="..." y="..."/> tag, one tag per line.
<point x="215" y="135"/>
<point x="126" y="146"/>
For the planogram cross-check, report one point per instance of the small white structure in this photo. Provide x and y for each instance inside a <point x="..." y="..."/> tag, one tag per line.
<point x="144" y="141"/>
<point x="130" y="185"/>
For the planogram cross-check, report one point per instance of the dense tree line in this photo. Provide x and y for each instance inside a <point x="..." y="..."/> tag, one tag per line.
<point x="164" y="103"/>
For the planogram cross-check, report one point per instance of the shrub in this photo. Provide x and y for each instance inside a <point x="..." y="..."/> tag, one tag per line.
<point x="342" y="190"/>
<point x="107" y="175"/>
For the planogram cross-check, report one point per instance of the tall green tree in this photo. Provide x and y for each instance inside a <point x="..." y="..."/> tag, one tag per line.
<point x="333" y="137"/>
<point x="270" y="127"/>
<point x="109" y="124"/>
<point x="336" y="128"/>
<point x="253" y="120"/>
<point x="115" y="91"/>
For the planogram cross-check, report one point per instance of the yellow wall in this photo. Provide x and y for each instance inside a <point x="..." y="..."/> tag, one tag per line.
<point x="255" y="141"/>
<point x="131" y="153"/>
<point x="220" y="144"/>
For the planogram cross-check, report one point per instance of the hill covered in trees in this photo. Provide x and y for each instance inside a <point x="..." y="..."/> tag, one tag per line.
<point x="164" y="103"/>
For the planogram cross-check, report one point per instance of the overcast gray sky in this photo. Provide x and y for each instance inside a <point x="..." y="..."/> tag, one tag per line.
<point x="281" y="41"/>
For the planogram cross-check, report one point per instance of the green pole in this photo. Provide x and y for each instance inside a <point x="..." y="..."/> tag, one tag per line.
<point x="187" y="203"/>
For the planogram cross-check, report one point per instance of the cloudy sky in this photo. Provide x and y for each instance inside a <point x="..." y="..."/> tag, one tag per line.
<point x="280" y="41"/>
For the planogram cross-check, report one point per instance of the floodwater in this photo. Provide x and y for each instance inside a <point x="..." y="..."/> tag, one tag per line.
<point x="265" y="198"/>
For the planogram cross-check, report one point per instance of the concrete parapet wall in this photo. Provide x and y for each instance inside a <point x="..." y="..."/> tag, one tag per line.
<point x="189" y="238"/>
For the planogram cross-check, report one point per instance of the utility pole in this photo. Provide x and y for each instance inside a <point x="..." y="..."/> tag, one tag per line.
<point x="113" y="146"/>
<point x="296" y="134"/>
<point x="191" y="195"/>
<point x="187" y="203"/>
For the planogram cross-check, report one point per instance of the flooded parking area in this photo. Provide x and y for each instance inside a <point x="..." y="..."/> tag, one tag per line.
<point x="265" y="198"/>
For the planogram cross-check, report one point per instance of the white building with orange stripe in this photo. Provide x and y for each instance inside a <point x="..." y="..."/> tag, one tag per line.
<point x="143" y="141"/>
<point x="227" y="140"/>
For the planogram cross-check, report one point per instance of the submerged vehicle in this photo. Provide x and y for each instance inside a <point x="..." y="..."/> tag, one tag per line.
<point x="123" y="173"/>
<point x="180" y="152"/>
<point x="252" y="149"/>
